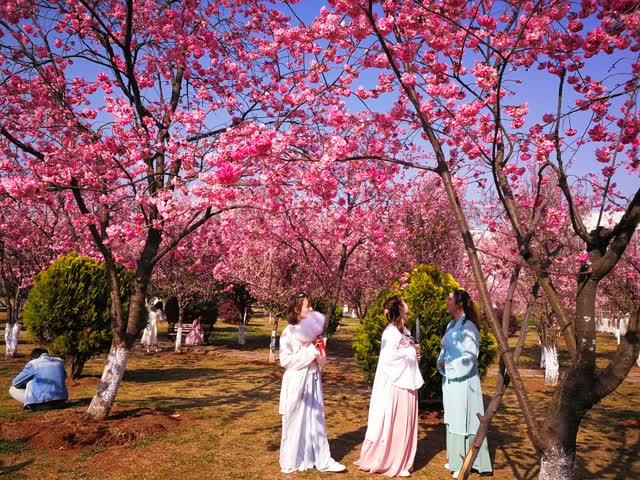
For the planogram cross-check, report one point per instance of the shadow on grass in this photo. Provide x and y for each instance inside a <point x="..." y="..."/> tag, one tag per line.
<point x="431" y="441"/>
<point x="625" y="439"/>
<point x="344" y="444"/>
<point x="14" y="470"/>
<point x="137" y="412"/>
<point x="523" y="464"/>
<point x="341" y="347"/>
<point x="227" y="337"/>
<point x="145" y="375"/>
<point x="78" y="402"/>
<point x="240" y="394"/>
<point x="253" y="342"/>
<point x="275" y="431"/>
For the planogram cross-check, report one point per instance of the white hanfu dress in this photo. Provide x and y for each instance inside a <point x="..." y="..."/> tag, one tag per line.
<point x="304" y="443"/>
<point x="391" y="439"/>
<point x="150" y="332"/>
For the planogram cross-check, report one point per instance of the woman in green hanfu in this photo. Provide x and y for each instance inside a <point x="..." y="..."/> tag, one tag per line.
<point x="461" y="389"/>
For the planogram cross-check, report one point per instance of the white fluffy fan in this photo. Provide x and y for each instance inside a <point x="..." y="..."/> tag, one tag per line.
<point x="310" y="327"/>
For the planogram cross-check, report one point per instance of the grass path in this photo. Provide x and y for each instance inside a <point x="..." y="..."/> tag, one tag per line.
<point x="227" y="399"/>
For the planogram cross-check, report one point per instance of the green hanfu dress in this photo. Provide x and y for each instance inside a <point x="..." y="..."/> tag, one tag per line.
<point x="462" y="393"/>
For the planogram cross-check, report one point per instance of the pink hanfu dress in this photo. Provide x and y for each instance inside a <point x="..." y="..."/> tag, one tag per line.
<point x="391" y="439"/>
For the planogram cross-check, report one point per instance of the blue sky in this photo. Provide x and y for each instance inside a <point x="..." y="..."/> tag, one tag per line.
<point x="538" y="90"/>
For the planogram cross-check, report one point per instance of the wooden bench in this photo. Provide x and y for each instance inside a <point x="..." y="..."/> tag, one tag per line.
<point x="207" y="328"/>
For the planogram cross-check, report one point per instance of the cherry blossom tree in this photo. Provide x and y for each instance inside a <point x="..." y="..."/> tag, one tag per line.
<point x="419" y="233"/>
<point x="32" y="235"/>
<point x="316" y="237"/>
<point x="186" y="272"/>
<point x="459" y="74"/>
<point x="268" y="268"/>
<point x="134" y="109"/>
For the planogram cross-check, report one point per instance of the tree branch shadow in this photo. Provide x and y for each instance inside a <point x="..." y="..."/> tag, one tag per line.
<point x="9" y="469"/>
<point x="347" y="442"/>
<point x="147" y="375"/>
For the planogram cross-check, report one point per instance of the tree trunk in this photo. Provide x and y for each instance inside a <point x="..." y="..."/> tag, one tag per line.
<point x="11" y="336"/>
<point x="274" y="334"/>
<point x="571" y="401"/>
<point x="576" y="393"/>
<point x="241" y="329"/>
<point x="75" y="366"/>
<point x="582" y="386"/>
<point x="124" y="336"/>
<point x="12" y="327"/>
<point x="335" y="298"/>
<point x="551" y="365"/>
<point x="109" y="383"/>
<point x="178" y="347"/>
<point x="556" y="464"/>
<point x="8" y="340"/>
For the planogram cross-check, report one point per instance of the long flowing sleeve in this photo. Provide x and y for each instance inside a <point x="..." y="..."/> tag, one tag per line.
<point x="397" y="367"/>
<point x="442" y="356"/>
<point x="466" y="358"/>
<point x="299" y="359"/>
<point x="440" y="360"/>
<point x="399" y="362"/>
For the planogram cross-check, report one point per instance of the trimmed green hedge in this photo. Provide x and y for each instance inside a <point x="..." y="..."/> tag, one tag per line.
<point x="425" y="290"/>
<point x="68" y="308"/>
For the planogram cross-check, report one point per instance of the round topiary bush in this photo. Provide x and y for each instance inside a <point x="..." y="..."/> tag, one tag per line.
<point x="425" y="290"/>
<point x="68" y="309"/>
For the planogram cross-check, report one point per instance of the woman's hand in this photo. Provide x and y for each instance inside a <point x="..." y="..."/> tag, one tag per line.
<point x="320" y="346"/>
<point x="442" y="364"/>
<point x="418" y="352"/>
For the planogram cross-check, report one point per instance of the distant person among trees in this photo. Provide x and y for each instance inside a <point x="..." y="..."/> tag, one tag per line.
<point x="391" y="439"/>
<point x="461" y="389"/>
<point x="150" y="333"/>
<point x="41" y="381"/>
<point x="196" y="335"/>
<point x="304" y="443"/>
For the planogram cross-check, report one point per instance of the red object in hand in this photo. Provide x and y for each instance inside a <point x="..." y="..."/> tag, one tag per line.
<point x="321" y="346"/>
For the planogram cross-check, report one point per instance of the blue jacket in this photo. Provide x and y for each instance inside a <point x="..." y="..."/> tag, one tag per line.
<point x="43" y="379"/>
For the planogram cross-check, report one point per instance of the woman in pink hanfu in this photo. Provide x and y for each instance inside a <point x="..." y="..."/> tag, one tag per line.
<point x="391" y="439"/>
<point x="196" y="335"/>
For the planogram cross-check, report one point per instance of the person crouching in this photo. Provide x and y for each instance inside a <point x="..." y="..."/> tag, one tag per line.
<point x="40" y="384"/>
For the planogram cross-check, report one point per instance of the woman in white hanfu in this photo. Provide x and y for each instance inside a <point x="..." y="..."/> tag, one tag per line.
<point x="150" y="332"/>
<point x="304" y="443"/>
<point x="391" y="439"/>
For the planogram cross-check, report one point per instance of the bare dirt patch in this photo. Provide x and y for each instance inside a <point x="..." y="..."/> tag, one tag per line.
<point x="68" y="430"/>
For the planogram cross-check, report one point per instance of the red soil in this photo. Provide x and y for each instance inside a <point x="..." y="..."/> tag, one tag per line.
<point x="68" y="430"/>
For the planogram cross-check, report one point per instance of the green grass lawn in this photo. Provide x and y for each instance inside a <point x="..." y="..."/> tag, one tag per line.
<point x="226" y="400"/>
